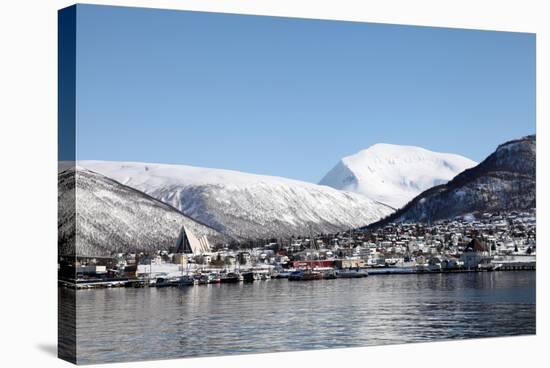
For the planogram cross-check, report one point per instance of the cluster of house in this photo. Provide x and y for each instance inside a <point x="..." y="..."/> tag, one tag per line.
<point x="488" y="241"/>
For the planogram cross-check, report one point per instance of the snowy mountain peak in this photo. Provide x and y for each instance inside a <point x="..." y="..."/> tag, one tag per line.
<point x="394" y="174"/>
<point x="504" y="181"/>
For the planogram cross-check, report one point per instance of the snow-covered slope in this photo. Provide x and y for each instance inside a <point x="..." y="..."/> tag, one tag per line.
<point x="108" y="216"/>
<point x="394" y="174"/>
<point x="246" y="205"/>
<point x="504" y="181"/>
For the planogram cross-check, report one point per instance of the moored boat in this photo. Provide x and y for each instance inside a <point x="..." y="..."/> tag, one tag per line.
<point x="282" y="274"/>
<point x="162" y="282"/>
<point x="306" y="275"/>
<point x="214" y="278"/>
<point x="230" y="277"/>
<point x="351" y="273"/>
<point x="248" y="276"/>
<point x="186" y="281"/>
<point x="329" y="274"/>
<point x="202" y="279"/>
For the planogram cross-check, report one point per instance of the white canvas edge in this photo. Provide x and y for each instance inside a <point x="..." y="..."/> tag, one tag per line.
<point x="28" y="150"/>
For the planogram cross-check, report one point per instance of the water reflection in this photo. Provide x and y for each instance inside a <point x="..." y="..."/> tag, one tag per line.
<point x="277" y="315"/>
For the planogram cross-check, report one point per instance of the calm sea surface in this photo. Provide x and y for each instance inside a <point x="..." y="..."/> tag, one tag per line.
<point x="278" y="315"/>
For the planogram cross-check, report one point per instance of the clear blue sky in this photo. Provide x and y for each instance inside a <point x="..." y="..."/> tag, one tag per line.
<point x="290" y="97"/>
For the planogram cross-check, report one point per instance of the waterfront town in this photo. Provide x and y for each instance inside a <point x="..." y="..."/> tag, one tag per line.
<point x="486" y="242"/>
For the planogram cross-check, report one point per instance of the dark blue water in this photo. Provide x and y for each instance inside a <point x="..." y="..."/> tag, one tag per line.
<point x="278" y="315"/>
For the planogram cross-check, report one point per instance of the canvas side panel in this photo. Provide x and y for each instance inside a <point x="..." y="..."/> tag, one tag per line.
<point x="66" y="196"/>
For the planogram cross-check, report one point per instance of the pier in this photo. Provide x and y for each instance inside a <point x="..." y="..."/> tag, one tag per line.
<point x="296" y="275"/>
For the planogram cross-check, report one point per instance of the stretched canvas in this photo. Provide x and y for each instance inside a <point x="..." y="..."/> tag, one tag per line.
<point x="234" y="184"/>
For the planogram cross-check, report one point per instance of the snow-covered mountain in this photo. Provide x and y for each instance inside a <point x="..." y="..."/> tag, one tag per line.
<point x="504" y="181"/>
<point x="394" y="174"/>
<point x="108" y="216"/>
<point x="246" y="205"/>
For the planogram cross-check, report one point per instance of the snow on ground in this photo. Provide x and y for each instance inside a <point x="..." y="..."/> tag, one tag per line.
<point x="394" y="174"/>
<point x="246" y="205"/>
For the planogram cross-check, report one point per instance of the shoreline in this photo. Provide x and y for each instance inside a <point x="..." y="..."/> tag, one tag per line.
<point x="382" y="271"/>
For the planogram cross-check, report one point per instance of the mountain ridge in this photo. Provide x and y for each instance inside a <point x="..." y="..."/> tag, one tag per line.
<point x="244" y="205"/>
<point x="505" y="180"/>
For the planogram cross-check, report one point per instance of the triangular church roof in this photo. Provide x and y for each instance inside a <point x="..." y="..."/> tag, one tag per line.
<point x="188" y="243"/>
